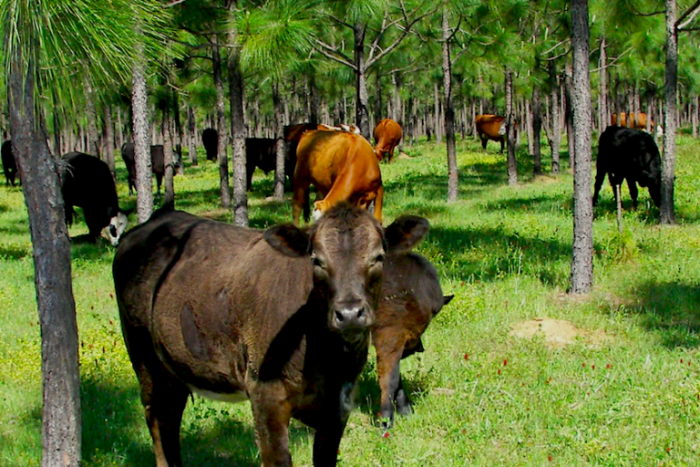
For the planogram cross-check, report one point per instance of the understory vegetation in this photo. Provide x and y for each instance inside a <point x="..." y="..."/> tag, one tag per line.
<point x="614" y="382"/>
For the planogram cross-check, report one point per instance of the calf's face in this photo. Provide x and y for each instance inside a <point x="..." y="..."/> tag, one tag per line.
<point x="347" y="248"/>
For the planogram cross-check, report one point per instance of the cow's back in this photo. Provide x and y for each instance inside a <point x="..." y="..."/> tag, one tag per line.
<point x="216" y="295"/>
<point x="323" y="155"/>
<point x="87" y="181"/>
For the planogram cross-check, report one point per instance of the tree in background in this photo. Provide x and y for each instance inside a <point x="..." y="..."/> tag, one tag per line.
<point x="36" y="34"/>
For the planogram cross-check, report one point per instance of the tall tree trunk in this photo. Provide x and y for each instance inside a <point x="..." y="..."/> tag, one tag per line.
<point x="361" y="97"/>
<point x="569" y="115"/>
<point x="554" y="139"/>
<point x="280" y="146"/>
<point x="120" y="128"/>
<point x="582" y="254"/>
<point x="224" y="188"/>
<point x="191" y="127"/>
<point x="169" y="199"/>
<point x="93" y="146"/>
<point x="537" y="129"/>
<point x="378" y="107"/>
<point x="235" y="80"/>
<point x="510" y="130"/>
<point x="603" y="116"/>
<point x="529" y="127"/>
<point x="436" y="114"/>
<point x="142" y="149"/>
<point x="109" y="140"/>
<point x="61" y="417"/>
<point x="453" y="175"/>
<point x="669" y="160"/>
<point x="313" y="101"/>
<point x="179" y="132"/>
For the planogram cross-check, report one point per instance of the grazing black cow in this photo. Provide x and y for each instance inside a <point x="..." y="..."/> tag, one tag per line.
<point x="87" y="182"/>
<point x="9" y="164"/>
<point x="624" y="153"/>
<point x="157" y="164"/>
<point x="411" y="297"/>
<point x="262" y="153"/>
<point x="281" y="317"/>
<point x="210" y="140"/>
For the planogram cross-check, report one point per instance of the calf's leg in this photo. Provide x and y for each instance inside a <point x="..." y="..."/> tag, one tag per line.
<point x="599" y="179"/>
<point x="634" y="192"/>
<point x="272" y="414"/>
<point x="389" y="382"/>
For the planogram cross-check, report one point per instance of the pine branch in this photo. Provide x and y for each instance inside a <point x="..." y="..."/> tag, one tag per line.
<point x="333" y="54"/>
<point x="690" y="13"/>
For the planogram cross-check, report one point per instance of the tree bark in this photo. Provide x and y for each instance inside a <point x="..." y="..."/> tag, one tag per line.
<point x="510" y="130"/>
<point x="669" y="160"/>
<point x="378" y="107"/>
<point x="554" y="139"/>
<point x="192" y="140"/>
<point x="238" y="130"/>
<point x="453" y="175"/>
<point x="179" y="132"/>
<point x="61" y="417"/>
<point x="142" y="147"/>
<point x="109" y="140"/>
<point x="537" y="129"/>
<point x="224" y="188"/>
<point x="569" y="115"/>
<point x="93" y="146"/>
<point x="603" y="116"/>
<point x="280" y="146"/>
<point x="169" y="199"/>
<point x="361" y="96"/>
<point x="436" y="113"/>
<point x="582" y="254"/>
<point x="313" y="101"/>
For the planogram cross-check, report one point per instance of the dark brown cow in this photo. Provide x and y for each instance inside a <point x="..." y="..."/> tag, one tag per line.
<point x="491" y="127"/>
<point x="281" y="317"/>
<point x="157" y="164"/>
<point x="262" y="153"/>
<point x="9" y="163"/>
<point x="387" y="135"/>
<point x="342" y="166"/>
<point x="411" y="297"/>
<point x="210" y="140"/>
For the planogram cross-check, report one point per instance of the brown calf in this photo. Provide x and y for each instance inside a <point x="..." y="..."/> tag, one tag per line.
<point x="639" y="123"/>
<point x="387" y="135"/>
<point x="280" y="317"/>
<point x="411" y="297"/>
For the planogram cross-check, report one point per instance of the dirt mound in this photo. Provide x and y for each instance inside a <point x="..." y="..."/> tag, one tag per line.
<point x="557" y="332"/>
<point x="404" y="156"/>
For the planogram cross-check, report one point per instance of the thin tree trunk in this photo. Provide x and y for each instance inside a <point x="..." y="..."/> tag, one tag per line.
<point x="554" y="139"/>
<point x="61" y="417"/>
<point x="169" y="199"/>
<point x="510" y="130"/>
<point x="582" y="254"/>
<point x="238" y="130"/>
<point x="109" y="140"/>
<point x="436" y="114"/>
<point x="569" y="115"/>
<point x="192" y="147"/>
<point x="224" y="188"/>
<point x="530" y="130"/>
<point x="537" y="129"/>
<point x="378" y="110"/>
<point x="120" y="128"/>
<point x="361" y="97"/>
<point x="453" y="175"/>
<point x="92" y="146"/>
<point x="669" y="160"/>
<point x="179" y="132"/>
<point x="313" y="101"/>
<point x="603" y="89"/>
<point x="142" y="149"/>
<point x="280" y="146"/>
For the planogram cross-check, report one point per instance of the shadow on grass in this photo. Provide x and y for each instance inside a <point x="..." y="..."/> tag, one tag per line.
<point x="14" y="252"/>
<point x="112" y="415"/>
<point x="487" y="254"/>
<point x="539" y="204"/>
<point x="672" y="309"/>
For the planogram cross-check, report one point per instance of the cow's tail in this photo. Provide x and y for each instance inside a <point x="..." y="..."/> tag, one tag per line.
<point x="307" y="208"/>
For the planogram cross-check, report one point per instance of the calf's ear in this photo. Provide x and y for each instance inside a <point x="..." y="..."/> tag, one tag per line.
<point x="447" y="299"/>
<point x="288" y="240"/>
<point x="405" y="232"/>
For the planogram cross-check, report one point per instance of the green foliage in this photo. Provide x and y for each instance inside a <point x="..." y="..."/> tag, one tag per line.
<point x="621" y="393"/>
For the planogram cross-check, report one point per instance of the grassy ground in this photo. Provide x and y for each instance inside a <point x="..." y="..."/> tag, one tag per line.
<point x="624" y="393"/>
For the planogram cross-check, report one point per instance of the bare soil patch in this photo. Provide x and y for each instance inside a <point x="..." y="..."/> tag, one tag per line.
<point x="557" y="332"/>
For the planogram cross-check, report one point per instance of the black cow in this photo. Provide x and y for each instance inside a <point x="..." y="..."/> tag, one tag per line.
<point x="87" y="182"/>
<point x="624" y="153"/>
<point x="210" y="140"/>
<point x="411" y="297"/>
<point x="262" y="153"/>
<point x="281" y="317"/>
<point x="9" y="164"/>
<point x="157" y="164"/>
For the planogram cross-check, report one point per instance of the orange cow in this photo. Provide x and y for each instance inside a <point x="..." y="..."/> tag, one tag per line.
<point x="387" y="135"/>
<point x="640" y="123"/>
<point x="342" y="167"/>
<point x="491" y="127"/>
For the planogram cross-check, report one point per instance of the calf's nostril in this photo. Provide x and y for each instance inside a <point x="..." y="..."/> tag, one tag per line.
<point x="339" y="316"/>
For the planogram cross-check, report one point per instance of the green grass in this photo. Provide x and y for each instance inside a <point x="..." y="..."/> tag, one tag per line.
<point x="629" y="397"/>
